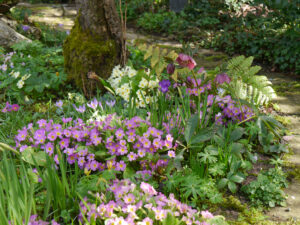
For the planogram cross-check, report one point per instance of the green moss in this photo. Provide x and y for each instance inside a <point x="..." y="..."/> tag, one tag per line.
<point x="215" y="58"/>
<point x="87" y="52"/>
<point x="233" y="203"/>
<point x="283" y="119"/>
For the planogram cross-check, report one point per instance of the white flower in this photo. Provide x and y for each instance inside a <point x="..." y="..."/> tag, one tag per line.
<point x="15" y="74"/>
<point x="26" y="76"/>
<point x="20" y="84"/>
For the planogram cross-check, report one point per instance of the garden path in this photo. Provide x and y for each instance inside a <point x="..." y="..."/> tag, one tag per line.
<point x="288" y="88"/>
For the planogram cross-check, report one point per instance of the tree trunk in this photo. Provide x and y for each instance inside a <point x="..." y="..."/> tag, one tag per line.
<point x="95" y="44"/>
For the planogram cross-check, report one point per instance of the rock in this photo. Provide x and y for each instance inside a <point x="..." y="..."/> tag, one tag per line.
<point x="9" y="36"/>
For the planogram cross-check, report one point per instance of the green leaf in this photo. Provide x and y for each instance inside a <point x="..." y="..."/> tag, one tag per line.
<point x="109" y="174"/>
<point x="236" y="179"/>
<point x="222" y="183"/>
<point x="232" y="186"/>
<point x="155" y="57"/>
<point x="170" y="220"/>
<point x="128" y="173"/>
<point x="190" y="128"/>
<point x="202" y="136"/>
<point x="236" y="134"/>
<point x="33" y="158"/>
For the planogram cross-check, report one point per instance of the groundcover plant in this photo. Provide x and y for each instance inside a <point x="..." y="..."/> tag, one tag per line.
<point x="156" y="149"/>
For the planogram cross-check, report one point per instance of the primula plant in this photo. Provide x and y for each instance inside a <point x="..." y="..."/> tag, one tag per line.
<point x="126" y="203"/>
<point x="128" y="146"/>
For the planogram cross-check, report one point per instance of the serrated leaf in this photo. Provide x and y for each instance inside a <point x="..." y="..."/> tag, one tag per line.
<point x="159" y="68"/>
<point x="155" y="57"/>
<point x="142" y="47"/>
<point x="148" y="52"/>
<point x="172" y="55"/>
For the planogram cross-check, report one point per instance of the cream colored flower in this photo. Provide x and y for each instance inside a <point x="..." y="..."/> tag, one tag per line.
<point x="20" y="84"/>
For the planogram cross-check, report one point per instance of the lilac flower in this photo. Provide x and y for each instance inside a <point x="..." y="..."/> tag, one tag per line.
<point x="206" y="214"/>
<point x="171" y="154"/>
<point x="59" y="104"/>
<point x="186" y="61"/>
<point x="148" y="189"/>
<point x="170" y="68"/>
<point x="222" y="78"/>
<point x="164" y="85"/>
<point x="93" y="104"/>
<point x="25" y="28"/>
<point x="80" y="109"/>
<point x="110" y="103"/>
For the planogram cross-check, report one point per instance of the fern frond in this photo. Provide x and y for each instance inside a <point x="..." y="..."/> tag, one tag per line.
<point x="256" y="89"/>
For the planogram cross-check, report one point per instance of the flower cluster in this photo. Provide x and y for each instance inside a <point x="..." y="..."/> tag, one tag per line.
<point x="131" y="142"/>
<point x="34" y="221"/>
<point x="8" y="108"/>
<point x="231" y="111"/>
<point x="21" y="81"/>
<point x="139" y="205"/>
<point x="124" y="79"/>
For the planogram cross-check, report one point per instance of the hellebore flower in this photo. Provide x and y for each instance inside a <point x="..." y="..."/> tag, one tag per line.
<point x="170" y="68"/>
<point x="222" y="78"/>
<point x="164" y="85"/>
<point x="186" y="61"/>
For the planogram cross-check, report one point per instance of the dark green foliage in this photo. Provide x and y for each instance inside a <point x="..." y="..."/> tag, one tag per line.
<point x="267" y="189"/>
<point x="44" y="64"/>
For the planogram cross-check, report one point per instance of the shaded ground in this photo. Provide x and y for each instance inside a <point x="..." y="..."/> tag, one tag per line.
<point x="288" y="90"/>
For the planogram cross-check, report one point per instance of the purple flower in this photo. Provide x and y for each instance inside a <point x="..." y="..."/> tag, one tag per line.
<point x="80" y="109"/>
<point x="25" y="28"/>
<point x="110" y="103"/>
<point x="170" y="68"/>
<point x="186" y="61"/>
<point x="164" y="85"/>
<point x="93" y="104"/>
<point x="222" y="78"/>
<point x="59" y="104"/>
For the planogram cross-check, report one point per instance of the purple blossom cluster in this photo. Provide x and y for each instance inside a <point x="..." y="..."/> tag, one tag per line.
<point x="130" y="141"/>
<point x="231" y="111"/>
<point x="34" y="221"/>
<point x="196" y="88"/>
<point x="173" y="120"/>
<point x="5" y="58"/>
<point x="139" y="205"/>
<point x="9" y="108"/>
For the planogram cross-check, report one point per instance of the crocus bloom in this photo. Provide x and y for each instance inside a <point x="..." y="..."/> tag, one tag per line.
<point x="110" y="103"/>
<point x="186" y="61"/>
<point x="222" y="78"/>
<point x="164" y="85"/>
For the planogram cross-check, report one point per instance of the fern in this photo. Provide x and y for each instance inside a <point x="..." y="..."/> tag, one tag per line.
<point x="246" y="84"/>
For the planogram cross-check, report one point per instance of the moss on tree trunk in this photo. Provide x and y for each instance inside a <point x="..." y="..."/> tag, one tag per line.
<point x="94" y="44"/>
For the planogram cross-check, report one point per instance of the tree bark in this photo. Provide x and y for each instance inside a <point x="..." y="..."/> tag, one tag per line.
<point x="95" y="43"/>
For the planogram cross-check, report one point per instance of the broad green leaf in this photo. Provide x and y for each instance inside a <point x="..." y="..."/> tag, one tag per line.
<point x="202" y="136"/>
<point x="236" y="134"/>
<point x="33" y="158"/>
<point x="190" y="128"/>
<point x="222" y="183"/>
<point x="236" y="179"/>
<point x="232" y="186"/>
